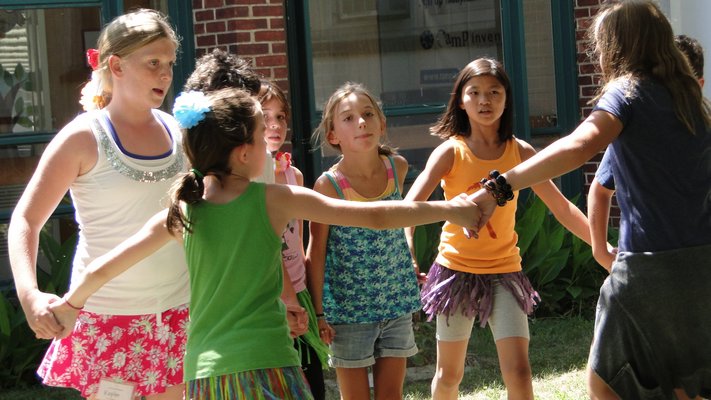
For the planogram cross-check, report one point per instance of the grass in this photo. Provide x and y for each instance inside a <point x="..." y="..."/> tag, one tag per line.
<point x="558" y="353"/>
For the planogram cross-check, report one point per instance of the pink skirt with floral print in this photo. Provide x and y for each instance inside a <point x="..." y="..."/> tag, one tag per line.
<point x="146" y="350"/>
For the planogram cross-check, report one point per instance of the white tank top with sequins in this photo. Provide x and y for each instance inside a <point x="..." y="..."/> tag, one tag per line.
<point x="113" y="201"/>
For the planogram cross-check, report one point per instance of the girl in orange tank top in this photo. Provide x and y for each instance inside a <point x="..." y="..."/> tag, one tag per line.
<point x="482" y="277"/>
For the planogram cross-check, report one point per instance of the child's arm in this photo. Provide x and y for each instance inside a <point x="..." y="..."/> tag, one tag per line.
<point x="296" y="315"/>
<point x="438" y="165"/>
<point x="565" y="154"/>
<point x="145" y="242"/>
<point x="564" y="211"/>
<point x="285" y="202"/>
<point x="599" y="201"/>
<point x="316" y="262"/>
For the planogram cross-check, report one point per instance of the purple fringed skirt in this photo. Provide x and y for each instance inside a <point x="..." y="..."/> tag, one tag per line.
<point x="447" y="291"/>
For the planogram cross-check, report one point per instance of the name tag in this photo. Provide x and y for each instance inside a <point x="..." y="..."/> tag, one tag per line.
<point x="110" y="390"/>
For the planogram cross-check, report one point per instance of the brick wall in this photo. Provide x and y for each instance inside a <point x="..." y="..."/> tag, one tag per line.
<point x="588" y="83"/>
<point x="251" y="29"/>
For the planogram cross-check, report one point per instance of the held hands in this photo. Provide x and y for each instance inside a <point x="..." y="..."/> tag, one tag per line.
<point x="297" y="319"/>
<point x="39" y="316"/>
<point x="486" y="204"/>
<point x="65" y="315"/>
<point x="467" y="214"/>
<point x="325" y="331"/>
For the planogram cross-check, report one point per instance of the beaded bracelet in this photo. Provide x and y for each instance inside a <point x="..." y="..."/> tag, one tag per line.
<point x="498" y="187"/>
<point x="66" y="300"/>
<point x="320" y="316"/>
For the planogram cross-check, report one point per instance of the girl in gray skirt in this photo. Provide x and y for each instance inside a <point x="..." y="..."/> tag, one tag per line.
<point x="653" y="325"/>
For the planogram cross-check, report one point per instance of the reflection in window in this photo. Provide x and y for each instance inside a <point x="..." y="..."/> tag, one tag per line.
<point x="406" y="52"/>
<point x="43" y="66"/>
<point x="543" y="111"/>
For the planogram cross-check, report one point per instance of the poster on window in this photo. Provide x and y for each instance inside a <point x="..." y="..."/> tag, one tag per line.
<point x="424" y="43"/>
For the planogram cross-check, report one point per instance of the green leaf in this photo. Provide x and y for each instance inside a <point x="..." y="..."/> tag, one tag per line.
<point x="25" y="122"/>
<point x="7" y="77"/>
<point x="19" y="106"/>
<point x="529" y="224"/>
<point x="19" y="72"/>
<point x="6" y="311"/>
<point x="575" y="291"/>
<point x="553" y="265"/>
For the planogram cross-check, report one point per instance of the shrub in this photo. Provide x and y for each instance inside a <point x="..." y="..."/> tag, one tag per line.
<point x="560" y="265"/>
<point x="20" y="351"/>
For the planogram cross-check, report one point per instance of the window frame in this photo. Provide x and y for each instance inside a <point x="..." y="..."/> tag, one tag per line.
<point x="180" y="15"/>
<point x="306" y="117"/>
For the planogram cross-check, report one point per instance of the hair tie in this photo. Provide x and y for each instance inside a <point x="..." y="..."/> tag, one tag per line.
<point x="190" y="108"/>
<point x="197" y="173"/>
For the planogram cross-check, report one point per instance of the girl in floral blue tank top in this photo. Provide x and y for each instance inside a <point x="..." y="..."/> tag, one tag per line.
<point x="362" y="281"/>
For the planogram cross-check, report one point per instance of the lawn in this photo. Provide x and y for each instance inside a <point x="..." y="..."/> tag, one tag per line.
<point x="558" y="352"/>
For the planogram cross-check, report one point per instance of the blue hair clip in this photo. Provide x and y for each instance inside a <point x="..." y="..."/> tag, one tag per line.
<point x="190" y="108"/>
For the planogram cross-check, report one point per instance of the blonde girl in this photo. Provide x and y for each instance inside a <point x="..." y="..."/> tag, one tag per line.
<point x="363" y="284"/>
<point x="482" y="278"/>
<point x="238" y="344"/>
<point x="118" y="162"/>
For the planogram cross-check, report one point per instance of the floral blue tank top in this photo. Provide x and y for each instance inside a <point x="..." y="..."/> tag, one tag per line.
<point x="369" y="275"/>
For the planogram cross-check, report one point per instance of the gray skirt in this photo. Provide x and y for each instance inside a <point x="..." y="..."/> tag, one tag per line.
<point x="653" y="324"/>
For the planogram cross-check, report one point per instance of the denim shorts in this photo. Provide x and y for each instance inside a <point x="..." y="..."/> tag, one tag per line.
<point x="358" y="345"/>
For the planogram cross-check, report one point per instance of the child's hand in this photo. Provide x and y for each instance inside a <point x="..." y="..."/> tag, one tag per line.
<point x="65" y="315"/>
<point x="605" y="257"/>
<point x="467" y="216"/>
<point x="486" y="205"/>
<point x="325" y="331"/>
<point x="297" y="319"/>
<point x="421" y="276"/>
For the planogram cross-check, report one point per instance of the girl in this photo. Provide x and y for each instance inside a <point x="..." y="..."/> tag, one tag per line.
<point x="117" y="163"/>
<point x="652" y="111"/>
<point x="482" y="278"/>
<point x="364" y="287"/>
<point x="238" y="344"/>
<point x="314" y="353"/>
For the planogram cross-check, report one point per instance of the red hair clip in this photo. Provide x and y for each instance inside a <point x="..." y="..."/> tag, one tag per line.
<point x="92" y="57"/>
<point x="282" y="161"/>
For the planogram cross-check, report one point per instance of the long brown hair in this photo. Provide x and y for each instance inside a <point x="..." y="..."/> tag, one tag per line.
<point x="634" y="40"/>
<point x="454" y="121"/>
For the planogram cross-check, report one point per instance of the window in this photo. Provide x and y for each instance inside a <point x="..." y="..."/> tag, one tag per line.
<point x="406" y="52"/>
<point x="42" y="70"/>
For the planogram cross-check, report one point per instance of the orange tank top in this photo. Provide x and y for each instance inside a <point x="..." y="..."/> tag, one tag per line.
<point x="492" y="253"/>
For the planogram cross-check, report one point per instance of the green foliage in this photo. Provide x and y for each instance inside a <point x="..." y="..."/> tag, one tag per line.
<point x="20" y="350"/>
<point x="12" y="106"/>
<point x="426" y="241"/>
<point x="560" y="266"/>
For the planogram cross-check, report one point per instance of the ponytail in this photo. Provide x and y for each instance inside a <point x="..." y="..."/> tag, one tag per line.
<point x="187" y="190"/>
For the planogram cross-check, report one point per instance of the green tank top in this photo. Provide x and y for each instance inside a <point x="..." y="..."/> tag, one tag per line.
<point x="237" y="320"/>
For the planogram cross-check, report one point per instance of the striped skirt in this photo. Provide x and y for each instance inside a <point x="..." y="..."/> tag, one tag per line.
<point x="261" y="384"/>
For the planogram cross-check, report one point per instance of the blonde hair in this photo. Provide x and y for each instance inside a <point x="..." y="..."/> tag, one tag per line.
<point x="320" y="135"/>
<point x="634" y="41"/>
<point x="126" y="34"/>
